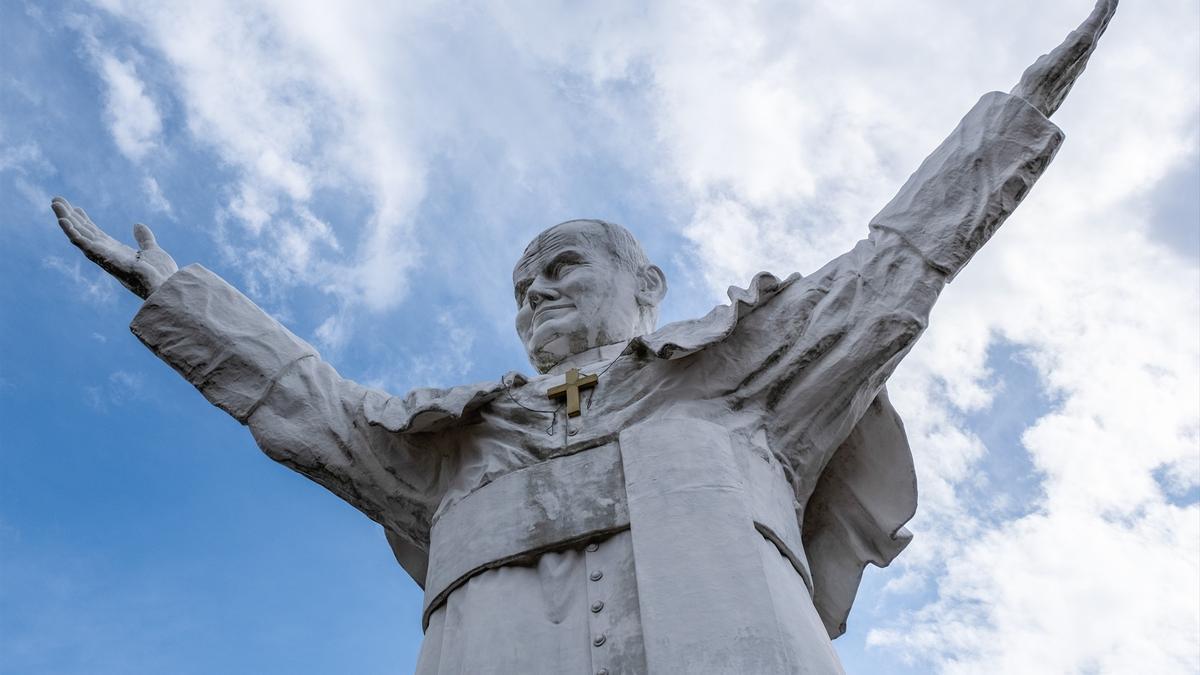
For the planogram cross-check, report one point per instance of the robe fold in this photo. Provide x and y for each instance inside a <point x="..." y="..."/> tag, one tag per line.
<point x="714" y="506"/>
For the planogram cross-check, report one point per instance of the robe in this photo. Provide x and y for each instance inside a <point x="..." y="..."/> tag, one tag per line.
<point x="712" y="508"/>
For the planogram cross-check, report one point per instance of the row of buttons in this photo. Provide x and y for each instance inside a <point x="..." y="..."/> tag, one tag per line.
<point x="597" y="606"/>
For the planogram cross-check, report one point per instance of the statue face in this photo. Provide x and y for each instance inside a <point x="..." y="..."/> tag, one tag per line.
<point x="573" y="294"/>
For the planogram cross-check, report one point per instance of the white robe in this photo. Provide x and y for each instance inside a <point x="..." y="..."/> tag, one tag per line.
<point x="776" y="382"/>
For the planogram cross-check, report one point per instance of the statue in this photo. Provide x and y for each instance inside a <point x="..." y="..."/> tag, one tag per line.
<point x="701" y="497"/>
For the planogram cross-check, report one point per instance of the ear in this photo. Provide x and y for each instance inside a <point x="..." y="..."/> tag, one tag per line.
<point x="652" y="285"/>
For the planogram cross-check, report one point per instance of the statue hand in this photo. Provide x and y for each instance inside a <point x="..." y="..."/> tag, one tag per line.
<point x="141" y="271"/>
<point x="1045" y="84"/>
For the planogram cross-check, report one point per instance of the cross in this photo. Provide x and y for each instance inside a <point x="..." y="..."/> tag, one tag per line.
<point x="571" y="390"/>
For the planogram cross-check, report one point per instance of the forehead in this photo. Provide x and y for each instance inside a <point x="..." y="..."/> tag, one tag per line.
<point x="583" y="236"/>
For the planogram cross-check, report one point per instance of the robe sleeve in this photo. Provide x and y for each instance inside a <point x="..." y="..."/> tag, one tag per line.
<point x="837" y="335"/>
<point x="300" y="411"/>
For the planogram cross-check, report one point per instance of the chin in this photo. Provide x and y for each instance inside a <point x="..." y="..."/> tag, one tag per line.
<point x="548" y="351"/>
<point x="557" y="346"/>
<point x="551" y="332"/>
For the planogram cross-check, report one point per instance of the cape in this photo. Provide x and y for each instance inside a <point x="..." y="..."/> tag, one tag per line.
<point x="855" y="515"/>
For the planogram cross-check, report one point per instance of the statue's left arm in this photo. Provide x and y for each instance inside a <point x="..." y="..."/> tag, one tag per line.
<point x="974" y="180"/>
<point x="856" y="318"/>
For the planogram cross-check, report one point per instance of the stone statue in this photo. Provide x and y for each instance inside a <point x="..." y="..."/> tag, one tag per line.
<point x="696" y="498"/>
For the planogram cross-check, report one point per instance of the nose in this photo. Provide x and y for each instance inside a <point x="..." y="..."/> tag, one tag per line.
<point x="539" y="292"/>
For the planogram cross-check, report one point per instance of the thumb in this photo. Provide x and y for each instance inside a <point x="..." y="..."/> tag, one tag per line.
<point x="144" y="237"/>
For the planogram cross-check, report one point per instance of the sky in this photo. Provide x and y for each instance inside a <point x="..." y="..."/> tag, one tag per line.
<point x="369" y="172"/>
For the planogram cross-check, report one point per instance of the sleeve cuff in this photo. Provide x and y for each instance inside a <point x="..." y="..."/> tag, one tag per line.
<point x="218" y="339"/>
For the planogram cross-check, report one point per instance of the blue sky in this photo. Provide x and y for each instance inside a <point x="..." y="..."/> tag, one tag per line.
<point x="370" y="175"/>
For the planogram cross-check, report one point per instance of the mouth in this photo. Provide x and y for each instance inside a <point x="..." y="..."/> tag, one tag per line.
<point x="541" y="312"/>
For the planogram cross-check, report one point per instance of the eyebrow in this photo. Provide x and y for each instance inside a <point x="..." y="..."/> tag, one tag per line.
<point x="565" y="255"/>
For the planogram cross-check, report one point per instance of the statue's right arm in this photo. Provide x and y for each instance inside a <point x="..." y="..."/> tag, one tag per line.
<point x="299" y="410"/>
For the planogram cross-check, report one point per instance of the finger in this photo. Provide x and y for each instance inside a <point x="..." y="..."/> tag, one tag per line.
<point x="1082" y="40"/>
<point x="1074" y="54"/>
<point x="1096" y="23"/>
<point x="85" y="229"/>
<point x="63" y="214"/>
<point x="66" y="214"/>
<point x="1085" y="40"/>
<point x="60" y="206"/>
<point x="72" y="233"/>
<point x="1110" y="9"/>
<point x="79" y="218"/>
<point x="1101" y="14"/>
<point x="77" y="230"/>
<point x="144" y="237"/>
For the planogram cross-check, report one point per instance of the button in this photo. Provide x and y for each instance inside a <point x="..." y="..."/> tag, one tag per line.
<point x="592" y="548"/>
<point x="599" y="640"/>
<point x="597" y="606"/>
<point x="597" y="575"/>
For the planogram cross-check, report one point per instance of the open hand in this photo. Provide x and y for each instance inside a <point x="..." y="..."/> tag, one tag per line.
<point x="141" y="271"/>
<point x="1045" y="84"/>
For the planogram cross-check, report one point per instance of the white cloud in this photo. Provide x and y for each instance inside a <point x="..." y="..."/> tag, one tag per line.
<point x="22" y="157"/>
<point x="27" y="162"/>
<point x="333" y="332"/>
<point x="285" y="94"/>
<point x="122" y="386"/>
<point x="304" y="99"/>
<point x="133" y="118"/>
<point x="98" y="287"/>
<point x="35" y="195"/>
<point x="155" y="199"/>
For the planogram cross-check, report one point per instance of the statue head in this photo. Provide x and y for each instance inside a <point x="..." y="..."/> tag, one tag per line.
<point x="583" y="284"/>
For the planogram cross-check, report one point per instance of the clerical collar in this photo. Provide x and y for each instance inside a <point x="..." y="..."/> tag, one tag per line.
<point x="586" y="358"/>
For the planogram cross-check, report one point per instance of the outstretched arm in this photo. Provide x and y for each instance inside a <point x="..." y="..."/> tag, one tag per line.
<point x="968" y="186"/>
<point x="855" y="319"/>
<point x="300" y="411"/>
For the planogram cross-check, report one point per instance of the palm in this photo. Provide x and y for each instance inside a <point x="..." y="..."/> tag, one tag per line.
<point x="141" y="270"/>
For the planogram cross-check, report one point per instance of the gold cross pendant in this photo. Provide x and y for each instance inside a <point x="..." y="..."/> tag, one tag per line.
<point x="571" y="390"/>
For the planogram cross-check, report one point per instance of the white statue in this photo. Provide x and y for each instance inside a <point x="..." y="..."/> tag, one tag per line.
<point x="699" y="498"/>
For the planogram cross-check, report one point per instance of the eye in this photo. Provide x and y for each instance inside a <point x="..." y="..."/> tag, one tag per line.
<point x="560" y="267"/>
<point x="521" y="291"/>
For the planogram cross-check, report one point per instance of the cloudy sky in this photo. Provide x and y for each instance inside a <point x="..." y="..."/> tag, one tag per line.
<point x="368" y="173"/>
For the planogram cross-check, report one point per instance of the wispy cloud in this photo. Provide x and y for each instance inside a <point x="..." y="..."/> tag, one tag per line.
<point x="133" y="118"/>
<point x="28" y="163"/>
<point x="445" y="360"/>
<point x="121" y="387"/>
<point x="90" y="283"/>
<point x="155" y="199"/>
<point x="307" y="103"/>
